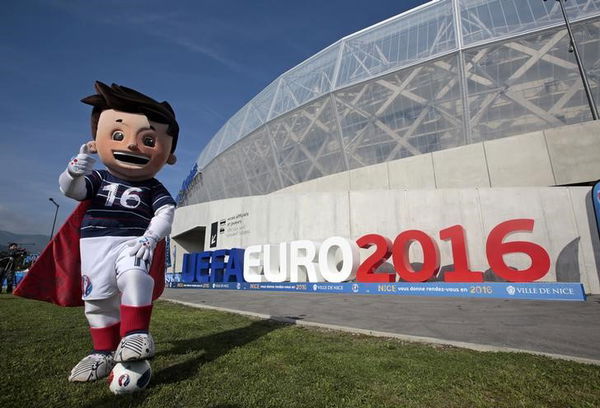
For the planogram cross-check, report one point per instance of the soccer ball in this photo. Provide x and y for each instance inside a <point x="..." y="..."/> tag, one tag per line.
<point x="129" y="377"/>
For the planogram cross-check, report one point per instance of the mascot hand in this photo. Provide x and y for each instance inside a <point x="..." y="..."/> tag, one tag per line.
<point x="142" y="247"/>
<point x="82" y="164"/>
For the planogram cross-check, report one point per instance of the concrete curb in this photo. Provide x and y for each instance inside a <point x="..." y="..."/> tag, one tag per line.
<point x="404" y="337"/>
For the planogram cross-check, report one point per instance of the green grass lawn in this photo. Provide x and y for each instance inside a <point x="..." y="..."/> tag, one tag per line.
<point x="213" y="359"/>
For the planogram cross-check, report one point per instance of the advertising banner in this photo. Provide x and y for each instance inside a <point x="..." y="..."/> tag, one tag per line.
<point x="512" y="290"/>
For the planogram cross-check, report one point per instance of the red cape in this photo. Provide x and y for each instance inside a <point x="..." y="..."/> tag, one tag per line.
<point x="55" y="276"/>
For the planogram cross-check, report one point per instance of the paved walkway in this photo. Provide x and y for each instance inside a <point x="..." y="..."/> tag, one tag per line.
<point x="568" y="330"/>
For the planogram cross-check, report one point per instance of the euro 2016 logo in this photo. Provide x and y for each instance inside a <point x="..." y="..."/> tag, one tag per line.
<point x="86" y="285"/>
<point x="124" y="380"/>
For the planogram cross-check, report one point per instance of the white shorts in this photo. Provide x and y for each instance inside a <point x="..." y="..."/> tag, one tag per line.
<point x="103" y="260"/>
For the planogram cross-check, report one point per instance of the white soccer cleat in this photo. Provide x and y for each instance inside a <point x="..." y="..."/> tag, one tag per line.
<point x="92" y="368"/>
<point x="133" y="347"/>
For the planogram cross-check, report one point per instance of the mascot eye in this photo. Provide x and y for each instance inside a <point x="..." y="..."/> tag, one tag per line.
<point x="148" y="141"/>
<point x="118" y="135"/>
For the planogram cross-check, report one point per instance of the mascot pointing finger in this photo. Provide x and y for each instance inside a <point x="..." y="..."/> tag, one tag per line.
<point x="124" y="216"/>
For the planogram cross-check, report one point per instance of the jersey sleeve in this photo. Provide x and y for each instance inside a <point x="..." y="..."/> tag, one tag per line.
<point x="161" y="197"/>
<point x="92" y="184"/>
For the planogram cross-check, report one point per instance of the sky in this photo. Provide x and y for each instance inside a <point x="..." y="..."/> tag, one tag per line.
<point x="207" y="58"/>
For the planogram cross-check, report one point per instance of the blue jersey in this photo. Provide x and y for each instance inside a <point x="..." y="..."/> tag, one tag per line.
<point x="121" y="207"/>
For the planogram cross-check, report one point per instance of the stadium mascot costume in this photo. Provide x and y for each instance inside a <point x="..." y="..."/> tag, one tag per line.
<point x="109" y="256"/>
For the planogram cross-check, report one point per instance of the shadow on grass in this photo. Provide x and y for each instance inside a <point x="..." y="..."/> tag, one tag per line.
<point x="214" y="346"/>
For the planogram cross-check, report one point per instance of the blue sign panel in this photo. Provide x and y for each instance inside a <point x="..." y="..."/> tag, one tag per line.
<point x="172" y="278"/>
<point x="187" y="182"/>
<point x="537" y="291"/>
<point x="596" y="200"/>
<point x="168" y="252"/>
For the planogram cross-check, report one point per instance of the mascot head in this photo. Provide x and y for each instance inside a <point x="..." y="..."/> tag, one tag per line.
<point x="134" y="135"/>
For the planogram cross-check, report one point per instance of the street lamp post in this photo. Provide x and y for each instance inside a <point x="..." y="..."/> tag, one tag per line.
<point x="55" y="214"/>
<point x="584" y="79"/>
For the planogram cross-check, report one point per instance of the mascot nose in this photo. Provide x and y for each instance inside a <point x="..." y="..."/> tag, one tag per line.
<point x="133" y="146"/>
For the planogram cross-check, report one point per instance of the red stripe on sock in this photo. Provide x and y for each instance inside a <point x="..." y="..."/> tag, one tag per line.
<point x="135" y="318"/>
<point x="106" y="338"/>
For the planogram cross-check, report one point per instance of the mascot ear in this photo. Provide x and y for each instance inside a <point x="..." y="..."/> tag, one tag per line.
<point x="92" y="147"/>
<point x="172" y="159"/>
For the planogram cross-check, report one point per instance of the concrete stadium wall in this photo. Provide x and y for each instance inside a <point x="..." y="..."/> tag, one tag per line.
<point x="477" y="186"/>
<point x="564" y="220"/>
<point x="559" y="156"/>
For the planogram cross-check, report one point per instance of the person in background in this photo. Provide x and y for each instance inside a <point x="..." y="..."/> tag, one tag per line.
<point x="14" y="258"/>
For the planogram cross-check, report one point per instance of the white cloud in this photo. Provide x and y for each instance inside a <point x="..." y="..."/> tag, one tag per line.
<point x="196" y="46"/>
<point x="175" y="27"/>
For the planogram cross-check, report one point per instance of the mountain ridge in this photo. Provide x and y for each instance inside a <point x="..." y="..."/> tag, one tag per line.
<point x="33" y="243"/>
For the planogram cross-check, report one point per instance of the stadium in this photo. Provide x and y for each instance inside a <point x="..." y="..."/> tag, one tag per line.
<point x="469" y="113"/>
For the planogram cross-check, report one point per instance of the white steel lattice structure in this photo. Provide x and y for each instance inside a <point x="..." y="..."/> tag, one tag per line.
<point x="446" y="74"/>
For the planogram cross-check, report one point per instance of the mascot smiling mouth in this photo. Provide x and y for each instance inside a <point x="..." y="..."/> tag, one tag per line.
<point x="131" y="158"/>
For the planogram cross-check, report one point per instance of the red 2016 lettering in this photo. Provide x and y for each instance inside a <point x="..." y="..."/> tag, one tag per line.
<point x="461" y="271"/>
<point x="431" y="256"/>
<point x="383" y="250"/>
<point x="496" y="249"/>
